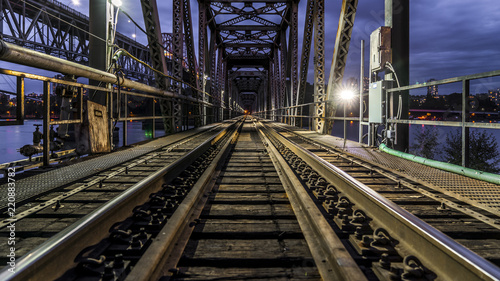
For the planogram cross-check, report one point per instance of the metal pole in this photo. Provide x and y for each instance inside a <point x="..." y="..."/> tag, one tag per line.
<point x="110" y="115"/>
<point x="125" y="115"/>
<point x="20" y="101"/>
<point x="465" y="130"/>
<point x="153" y="126"/>
<point x="46" y="125"/>
<point x="361" y="83"/>
<point x="99" y="52"/>
<point x="345" y="127"/>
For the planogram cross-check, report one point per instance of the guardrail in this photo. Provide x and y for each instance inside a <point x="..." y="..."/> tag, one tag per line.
<point x="13" y="53"/>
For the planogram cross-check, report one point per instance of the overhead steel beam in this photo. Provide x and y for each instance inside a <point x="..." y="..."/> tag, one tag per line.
<point x="248" y="27"/>
<point x="247" y="45"/>
<point x="345" y="27"/>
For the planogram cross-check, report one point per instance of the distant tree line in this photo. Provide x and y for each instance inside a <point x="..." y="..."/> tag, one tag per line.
<point x="483" y="148"/>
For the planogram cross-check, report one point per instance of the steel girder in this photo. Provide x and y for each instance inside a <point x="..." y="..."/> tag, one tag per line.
<point x="293" y="58"/>
<point x="152" y="24"/>
<point x="29" y="25"/>
<point x="319" y="65"/>
<point x="306" y="51"/>
<point x="189" y="41"/>
<point x="202" y="50"/>
<point x="346" y="24"/>
<point x="283" y="66"/>
<point x="193" y="71"/>
<point x="177" y="58"/>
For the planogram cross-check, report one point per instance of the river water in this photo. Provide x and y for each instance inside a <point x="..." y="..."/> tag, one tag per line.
<point x="14" y="137"/>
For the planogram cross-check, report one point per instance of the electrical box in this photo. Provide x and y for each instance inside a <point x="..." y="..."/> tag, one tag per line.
<point x="376" y="104"/>
<point x="380" y="48"/>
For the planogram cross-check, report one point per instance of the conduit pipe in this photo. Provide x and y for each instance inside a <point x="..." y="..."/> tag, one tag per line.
<point x="16" y="54"/>
<point x="468" y="172"/>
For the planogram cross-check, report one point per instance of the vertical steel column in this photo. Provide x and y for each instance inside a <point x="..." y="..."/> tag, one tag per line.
<point x="400" y="40"/>
<point x="213" y="77"/>
<point x="177" y="58"/>
<point x="277" y="78"/>
<point x="193" y="81"/>
<point x="220" y="91"/>
<point x="99" y="53"/>
<point x="20" y="100"/>
<point x="319" y="65"/>
<point x="283" y="71"/>
<point x="202" y="48"/>
<point x="361" y="83"/>
<point x="46" y="123"/>
<point x="465" y="129"/>
<point x="294" y="56"/>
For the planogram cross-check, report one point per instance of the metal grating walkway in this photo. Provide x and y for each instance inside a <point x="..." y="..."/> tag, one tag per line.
<point x="484" y="193"/>
<point x="32" y="186"/>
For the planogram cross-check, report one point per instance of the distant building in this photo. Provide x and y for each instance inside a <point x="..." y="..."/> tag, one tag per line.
<point x="432" y="90"/>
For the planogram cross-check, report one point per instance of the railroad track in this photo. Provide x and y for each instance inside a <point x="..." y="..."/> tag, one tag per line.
<point x="475" y="227"/>
<point x="252" y="204"/>
<point x="40" y="217"/>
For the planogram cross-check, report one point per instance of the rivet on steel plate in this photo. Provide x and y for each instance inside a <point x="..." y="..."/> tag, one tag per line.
<point x="442" y="207"/>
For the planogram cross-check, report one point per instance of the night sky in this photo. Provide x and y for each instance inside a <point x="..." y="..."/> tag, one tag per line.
<point x="448" y="38"/>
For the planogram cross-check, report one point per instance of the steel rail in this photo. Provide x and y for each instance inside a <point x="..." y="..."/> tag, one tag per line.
<point x="447" y="258"/>
<point x="150" y="266"/>
<point x="332" y="258"/>
<point x="48" y="260"/>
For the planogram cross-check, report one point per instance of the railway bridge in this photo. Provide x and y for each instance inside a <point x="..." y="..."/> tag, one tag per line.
<point x="242" y="173"/>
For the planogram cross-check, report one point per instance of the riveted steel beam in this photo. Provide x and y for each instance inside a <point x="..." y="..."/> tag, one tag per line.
<point x="345" y="27"/>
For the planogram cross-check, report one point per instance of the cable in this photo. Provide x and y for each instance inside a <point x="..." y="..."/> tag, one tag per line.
<point x="400" y="103"/>
<point x="116" y="55"/>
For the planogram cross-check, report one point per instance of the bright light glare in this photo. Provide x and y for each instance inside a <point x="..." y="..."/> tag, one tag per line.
<point x="133" y="35"/>
<point x="76" y="2"/>
<point x="347" y="94"/>
<point x="117" y="3"/>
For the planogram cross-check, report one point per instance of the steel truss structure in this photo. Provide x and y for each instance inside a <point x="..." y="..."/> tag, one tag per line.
<point x="247" y="54"/>
<point x="55" y="29"/>
<point x="247" y="43"/>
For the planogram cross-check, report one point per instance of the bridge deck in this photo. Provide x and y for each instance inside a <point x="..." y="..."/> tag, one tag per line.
<point x="43" y="182"/>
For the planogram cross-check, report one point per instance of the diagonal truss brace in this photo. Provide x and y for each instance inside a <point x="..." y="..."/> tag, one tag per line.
<point x="346" y="24"/>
